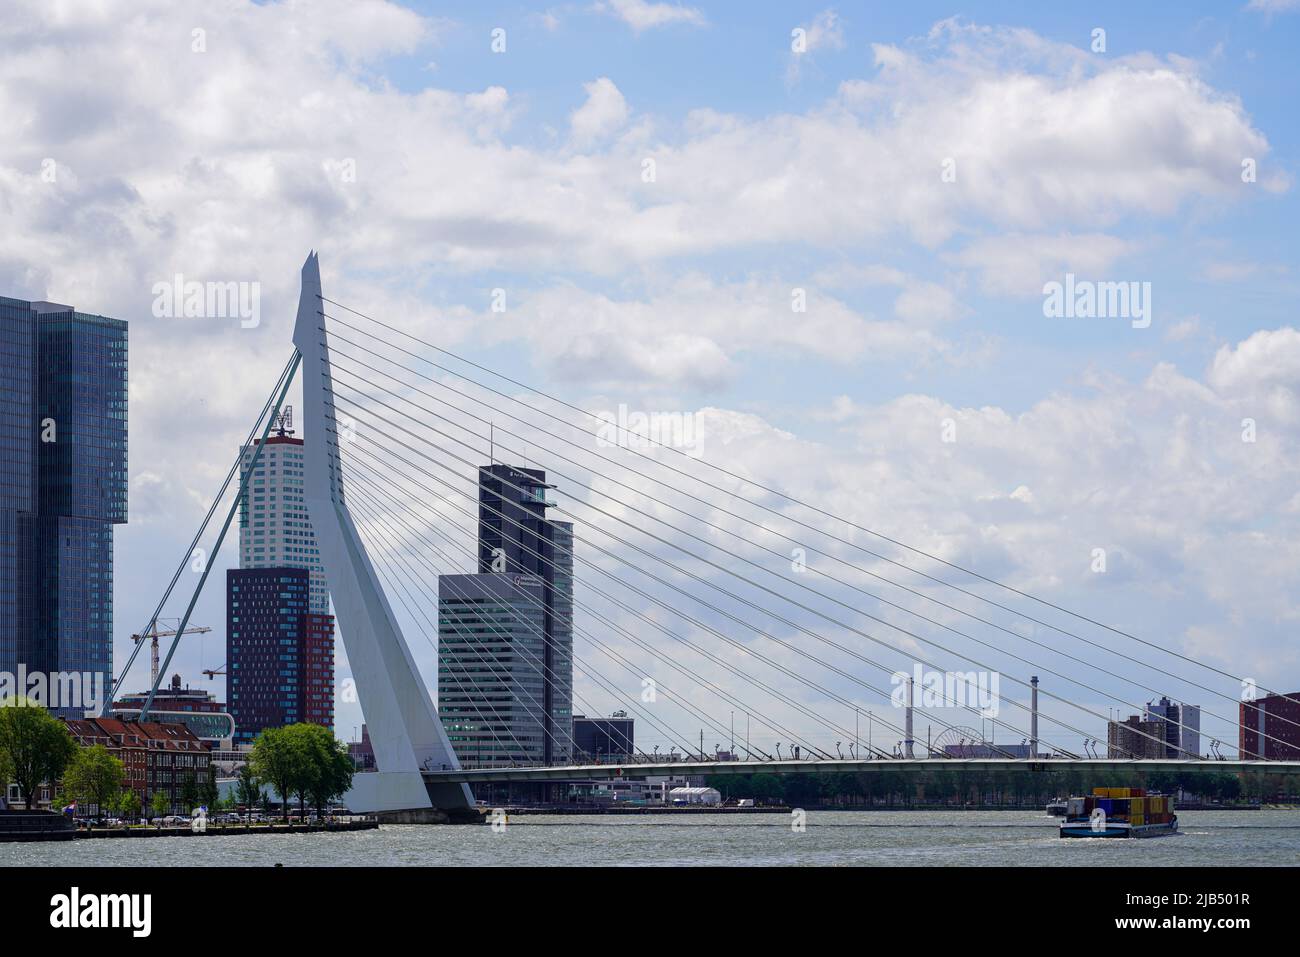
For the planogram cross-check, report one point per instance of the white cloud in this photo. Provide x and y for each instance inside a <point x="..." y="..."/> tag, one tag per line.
<point x="1144" y="470"/>
<point x="1016" y="264"/>
<point x="254" y="138"/>
<point x="604" y="112"/>
<point x="645" y="15"/>
<point x="690" y="333"/>
<point x="1182" y="330"/>
<point x="919" y="301"/>
<point x="1273" y="6"/>
<point x="1262" y="374"/>
<point x="825" y="32"/>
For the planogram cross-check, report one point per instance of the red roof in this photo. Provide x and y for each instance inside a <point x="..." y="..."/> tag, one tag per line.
<point x="160" y="737"/>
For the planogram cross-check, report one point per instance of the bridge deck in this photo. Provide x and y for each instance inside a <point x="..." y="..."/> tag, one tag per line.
<point x="589" y="772"/>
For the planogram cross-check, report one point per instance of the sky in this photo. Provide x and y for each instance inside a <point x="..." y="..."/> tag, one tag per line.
<point x="652" y="187"/>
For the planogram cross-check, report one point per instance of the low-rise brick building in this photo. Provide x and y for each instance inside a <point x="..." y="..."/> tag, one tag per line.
<point x="158" y="757"/>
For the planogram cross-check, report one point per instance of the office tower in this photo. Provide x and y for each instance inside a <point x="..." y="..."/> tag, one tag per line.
<point x="491" y="690"/>
<point x="1136" y="737"/>
<point x="1191" y="731"/>
<point x="1169" y="716"/>
<point x="516" y="537"/>
<point x="274" y="531"/>
<point x="279" y="653"/>
<point x="1270" y="728"/>
<point x="604" y="739"/>
<point x="63" y="486"/>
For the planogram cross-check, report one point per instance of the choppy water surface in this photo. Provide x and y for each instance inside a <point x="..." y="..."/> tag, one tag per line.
<point x="832" y="838"/>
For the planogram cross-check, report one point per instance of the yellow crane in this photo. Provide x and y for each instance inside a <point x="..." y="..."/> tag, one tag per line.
<point x="154" y="634"/>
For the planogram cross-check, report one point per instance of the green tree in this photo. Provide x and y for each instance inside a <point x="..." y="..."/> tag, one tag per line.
<point x="37" y="745"/>
<point x="129" y="806"/>
<point x="332" y="766"/>
<point x="766" y="788"/>
<point x="159" y="804"/>
<point x="728" y="785"/>
<point x="802" y="790"/>
<point x="189" y="791"/>
<point x="248" y="791"/>
<point x="95" y="776"/>
<point x="209" y="793"/>
<point x="6" y="775"/>
<point x="280" y="758"/>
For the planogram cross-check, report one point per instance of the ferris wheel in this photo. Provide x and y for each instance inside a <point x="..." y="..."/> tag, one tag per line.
<point x="959" y="739"/>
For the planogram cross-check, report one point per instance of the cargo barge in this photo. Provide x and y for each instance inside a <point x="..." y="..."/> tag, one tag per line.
<point x="1120" y="812"/>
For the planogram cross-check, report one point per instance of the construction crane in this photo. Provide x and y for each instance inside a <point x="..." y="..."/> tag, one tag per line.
<point x="154" y="634"/>
<point x="213" y="672"/>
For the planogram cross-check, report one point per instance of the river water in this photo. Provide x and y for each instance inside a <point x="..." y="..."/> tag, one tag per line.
<point x="882" y="838"/>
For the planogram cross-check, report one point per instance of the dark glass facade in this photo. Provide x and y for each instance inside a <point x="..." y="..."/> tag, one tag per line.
<point x="516" y="538"/>
<point x="280" y="654"/>
<point x="603" y="739"/>
<point x="490" y="687"/>
<point x="63" y="485"/>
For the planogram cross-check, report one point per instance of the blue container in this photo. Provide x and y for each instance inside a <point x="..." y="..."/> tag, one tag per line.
<point x="1106" y="804"/>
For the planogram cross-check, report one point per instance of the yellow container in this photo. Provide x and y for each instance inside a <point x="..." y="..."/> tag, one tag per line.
<point x="1101" y="792"/>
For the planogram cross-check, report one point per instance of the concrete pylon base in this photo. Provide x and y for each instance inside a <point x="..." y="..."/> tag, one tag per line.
<point x="403" y="797"/>
<point x="432" y="815"/>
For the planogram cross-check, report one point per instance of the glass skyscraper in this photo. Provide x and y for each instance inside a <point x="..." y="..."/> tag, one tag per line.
<point x="63" y="485"/>
<point x="491" y="685"/>
<point x="516" y="538"/>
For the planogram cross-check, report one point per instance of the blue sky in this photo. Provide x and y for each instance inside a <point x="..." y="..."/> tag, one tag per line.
<point x="775" y="173"/>
<point x="738" y="64"/>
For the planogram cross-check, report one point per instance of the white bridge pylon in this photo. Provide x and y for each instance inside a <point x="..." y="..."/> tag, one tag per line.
<point x="405" y="731"/>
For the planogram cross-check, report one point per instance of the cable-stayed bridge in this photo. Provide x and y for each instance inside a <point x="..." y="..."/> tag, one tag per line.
<point x="696" y="591"/>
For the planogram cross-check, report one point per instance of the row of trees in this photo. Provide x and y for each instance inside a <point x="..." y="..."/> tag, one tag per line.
<point x="303" y="761"/>
<point x="895" y="787"/>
